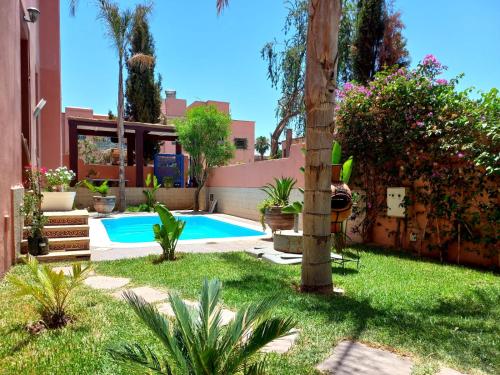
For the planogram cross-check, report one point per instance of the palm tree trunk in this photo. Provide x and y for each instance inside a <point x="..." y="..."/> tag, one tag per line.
<point x="121" y="132"/>
<point x="321" y="71"/>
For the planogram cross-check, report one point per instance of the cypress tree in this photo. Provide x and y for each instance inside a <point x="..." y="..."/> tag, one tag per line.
<point x="370" y="28"/>
<point x="143" y="91"/>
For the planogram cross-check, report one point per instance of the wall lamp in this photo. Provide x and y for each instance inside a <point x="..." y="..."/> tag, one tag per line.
<point x="32" y="16"/>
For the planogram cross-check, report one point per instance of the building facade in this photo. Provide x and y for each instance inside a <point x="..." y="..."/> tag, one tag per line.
<point x="29" y="72"/>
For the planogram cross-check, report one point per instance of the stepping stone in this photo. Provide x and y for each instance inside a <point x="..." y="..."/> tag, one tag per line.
<point x="67" y="270"/>
<point x="278" y="259"/>
<point x="448" y="371"/>
<point x="106" y="282"/>
<point x="257" y="252"/>
<point x="149" y="294"/>
<point x="226" y="316"/>
<point x="283" y="344"/>
<point x="166" y="309"/>
<point x="350" y="358"/>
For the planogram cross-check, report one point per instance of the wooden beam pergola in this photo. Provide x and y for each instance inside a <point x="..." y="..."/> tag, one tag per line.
<point x="135" y="133"/>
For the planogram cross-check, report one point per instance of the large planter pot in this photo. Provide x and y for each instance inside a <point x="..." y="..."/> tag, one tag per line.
<point x="104" y="205"/>
<point x="341" y="200"/>
<point x="278" y="220"/>
<point x="38" y="245"/>
<point x="58" y="201"/>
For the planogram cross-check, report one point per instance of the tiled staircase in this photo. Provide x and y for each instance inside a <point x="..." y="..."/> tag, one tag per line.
<point x="68" y="234"/>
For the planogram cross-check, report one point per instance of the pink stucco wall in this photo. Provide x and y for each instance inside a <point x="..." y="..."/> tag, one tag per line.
<point x="257" y="174"/>
<point x="17" y="35"/>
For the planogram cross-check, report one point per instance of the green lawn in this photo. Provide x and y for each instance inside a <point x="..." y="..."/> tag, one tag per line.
<point x="432" y="312"/>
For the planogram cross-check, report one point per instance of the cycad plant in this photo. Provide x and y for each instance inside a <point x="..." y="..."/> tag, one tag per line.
<point x="198" y="343"/>
<point x="50" y="289"/>
<point x="168" y="232"/>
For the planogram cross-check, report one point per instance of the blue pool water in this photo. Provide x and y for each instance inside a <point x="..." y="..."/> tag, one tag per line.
<point x="140" y="228"/>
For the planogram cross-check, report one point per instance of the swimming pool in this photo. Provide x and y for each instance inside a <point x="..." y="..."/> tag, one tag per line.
<point x="140" y="228"/>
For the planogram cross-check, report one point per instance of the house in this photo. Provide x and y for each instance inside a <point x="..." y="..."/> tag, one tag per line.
<point x="30" y="70"/>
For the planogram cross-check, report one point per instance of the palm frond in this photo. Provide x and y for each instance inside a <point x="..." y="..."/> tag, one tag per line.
<point x="137" y="355"/>
<point x="221" y="4"/>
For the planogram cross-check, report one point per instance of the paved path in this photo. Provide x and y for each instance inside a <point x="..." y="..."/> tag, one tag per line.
<point x="353" y="358"/>
<point x="152" y="295"/>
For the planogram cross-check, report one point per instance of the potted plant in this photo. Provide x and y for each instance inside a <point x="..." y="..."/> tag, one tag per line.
<point x="38" y="244"/>
<point x="57" y="198"/>
<point x="103" y="203"/>
<point x="278" y="195"/>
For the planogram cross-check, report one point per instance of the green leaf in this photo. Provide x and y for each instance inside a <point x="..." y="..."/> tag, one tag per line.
<point x="336" y="153"/>
<point x="347" y="170"/>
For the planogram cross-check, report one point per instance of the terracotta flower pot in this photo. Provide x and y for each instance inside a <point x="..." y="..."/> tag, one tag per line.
<point x="278" y="220"/>
<point x="104" y="205"/>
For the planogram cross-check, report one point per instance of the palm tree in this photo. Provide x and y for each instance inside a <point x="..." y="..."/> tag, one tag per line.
<point x="118" y="24"/>
<point x="261" y="146"/>
<point x="198" y="343"/>
<point x="319" y="96"/>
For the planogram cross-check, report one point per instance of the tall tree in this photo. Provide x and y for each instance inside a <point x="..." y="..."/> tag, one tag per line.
<point x="143" y="92"/>
<point x="286" y="71"/>
<point x="204" y="134"/>
<point x="286" y="64"/>
<point x="393" y="46"/>
<point x="370" y="25"/>
<point x="320" y="85"/>
<point x="261" y="146"/>
<point x="118" y="24"/>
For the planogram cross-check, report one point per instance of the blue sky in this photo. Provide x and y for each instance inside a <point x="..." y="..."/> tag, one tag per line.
<point x="204" y="56"/>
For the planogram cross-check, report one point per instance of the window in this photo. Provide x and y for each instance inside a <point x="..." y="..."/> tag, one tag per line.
<point x="240" y="143"/>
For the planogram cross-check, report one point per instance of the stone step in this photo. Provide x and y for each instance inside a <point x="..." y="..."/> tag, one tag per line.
<point x="74" y="217"/>
<point x="63" y="256"/>
<point x="62" y="244"/>
<point x="62" y="231"/>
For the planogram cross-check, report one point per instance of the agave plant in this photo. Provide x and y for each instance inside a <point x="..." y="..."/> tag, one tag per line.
<point x="168" y="232"/>
<point x="279" y="193"/>
<point x="198" y="343"/>
<point x="50" y="289"/>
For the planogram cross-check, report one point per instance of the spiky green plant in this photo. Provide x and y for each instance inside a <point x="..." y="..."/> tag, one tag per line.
<point x="279" y="192"/>
<point x="168" y="232"/>
<point x="50" y="289"/>
<point x="198" y="342"/>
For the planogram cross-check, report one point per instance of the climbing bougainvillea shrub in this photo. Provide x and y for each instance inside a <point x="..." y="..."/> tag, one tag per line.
<point x="414" y="129"/>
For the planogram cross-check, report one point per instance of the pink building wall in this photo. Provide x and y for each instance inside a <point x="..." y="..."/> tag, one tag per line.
<point x="23" y="77"/>
<point x="173" y="107"/>
<point x="256" y="175"/>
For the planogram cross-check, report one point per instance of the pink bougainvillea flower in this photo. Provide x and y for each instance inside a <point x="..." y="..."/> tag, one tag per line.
<point x="460" y="155"/>
<point x="430" y="60"/>
<point x="43" y="170"/>
<point x="441" y="81"/>
<point x="420" y="124"/>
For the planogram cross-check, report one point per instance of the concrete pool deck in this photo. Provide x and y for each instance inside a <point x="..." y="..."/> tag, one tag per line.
<point x="102" y="248"/>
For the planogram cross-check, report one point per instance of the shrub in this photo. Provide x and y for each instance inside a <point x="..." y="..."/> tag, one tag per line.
<point x="168" y="232"/>
<point x="411" y="128"/>
<point x="51" y="290"/>
<point x="198" y="343"/>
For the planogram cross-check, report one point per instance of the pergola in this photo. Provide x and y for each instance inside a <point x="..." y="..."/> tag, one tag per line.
<point x="135" y="133"/>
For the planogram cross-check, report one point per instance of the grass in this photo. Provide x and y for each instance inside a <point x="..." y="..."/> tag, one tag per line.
<point x="434" y="313"/>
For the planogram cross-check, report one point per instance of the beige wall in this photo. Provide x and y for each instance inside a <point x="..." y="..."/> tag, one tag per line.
<point x="174" y="198"/>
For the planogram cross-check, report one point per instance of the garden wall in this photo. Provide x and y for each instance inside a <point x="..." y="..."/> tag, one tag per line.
<point x="173" y="198"/>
